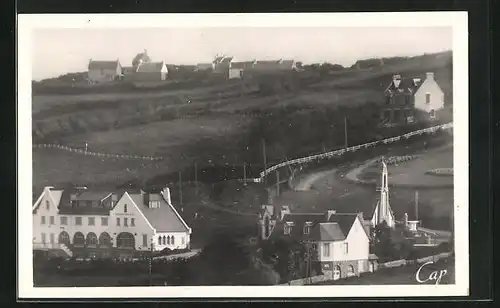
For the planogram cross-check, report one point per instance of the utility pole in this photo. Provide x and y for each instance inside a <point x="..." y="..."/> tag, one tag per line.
<point x="180" y="186"/>
<point x="324" y="147"/>
<point x="416" y="205"/>
<point x="151" y="263"/>
<point x="277" y="183"/>
<point x="196" y="176"/>
<point x="264" y="154"/>
<point x="245" y="174"/>
<point x="345" y="131"/>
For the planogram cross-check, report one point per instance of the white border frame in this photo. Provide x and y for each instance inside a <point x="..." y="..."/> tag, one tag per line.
<point x="456" y="20"/>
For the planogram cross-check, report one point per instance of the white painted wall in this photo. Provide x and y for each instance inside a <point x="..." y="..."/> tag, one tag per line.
<point x="181" y="240"/>
<point x="430" y="86"/>
<point x="47" y="228"/>
<point x="105" y="75"/>
<point x="235" y="73"/>
<point x="358" y="246"/>
<point x="141" y="226"/>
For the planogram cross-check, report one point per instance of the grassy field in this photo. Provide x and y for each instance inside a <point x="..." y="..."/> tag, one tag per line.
<point x="414" y="172"/>
<point x="332" y="191"/>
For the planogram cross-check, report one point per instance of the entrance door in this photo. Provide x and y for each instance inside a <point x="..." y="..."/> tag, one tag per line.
<point x="361" y="266"/>
<point x="371" y="267"/>
<point x="336" y="273"/>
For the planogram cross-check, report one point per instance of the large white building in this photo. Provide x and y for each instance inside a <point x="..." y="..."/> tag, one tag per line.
<point x="83" y="222"/>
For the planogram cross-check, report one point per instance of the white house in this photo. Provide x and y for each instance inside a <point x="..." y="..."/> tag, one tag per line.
<point x="429" y="97"/>
<point x="340" y="241"/>
<point x="237" y="69"/>
<point x="82" y="222"/>
<point x="409" y="99"/>
<point x="104" y="71"/>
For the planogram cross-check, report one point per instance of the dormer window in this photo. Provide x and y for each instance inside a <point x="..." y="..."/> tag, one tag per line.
<point x="154" y="204"/>
<point x="306" y="230"/>
<point x="287" y="229"/>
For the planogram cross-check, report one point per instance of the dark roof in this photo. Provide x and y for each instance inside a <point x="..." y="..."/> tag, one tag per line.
<point x="406" y="85"/>
<point x="91" y="195"/>
<point x="164" y="218"/>
<point x="344" y="220"/>
<point x="329" y="231"/>
<point x="242" y="65"/>
<point x="65" y="207"/>
<point x="204" y="66"/>
<point x="153" y="67"/>
<point x="103" y="65"/>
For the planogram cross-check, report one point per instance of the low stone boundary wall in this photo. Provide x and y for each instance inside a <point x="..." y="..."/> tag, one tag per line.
<point x="98" y="154"/>
<point x="391" y="264"/>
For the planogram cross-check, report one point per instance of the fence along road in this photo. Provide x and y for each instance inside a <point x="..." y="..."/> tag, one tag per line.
<point x="355" y="148"/>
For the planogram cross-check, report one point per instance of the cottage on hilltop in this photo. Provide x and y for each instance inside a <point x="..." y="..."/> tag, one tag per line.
<point x="104" y="71"/>
<point x="80" y="222"/>
<point x="411" y="99"/>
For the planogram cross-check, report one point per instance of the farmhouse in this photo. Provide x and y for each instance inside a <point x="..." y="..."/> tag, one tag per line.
<point x="410" y="99"/>
<point x="104" y="71"/>
<point x="274" y="66"/>
<point x="151" y="71"/>
<point x="221" y="65"/>
<point x="237" y="69"/>
<point x="339" y="242"/>
<point x="81" y="222"/>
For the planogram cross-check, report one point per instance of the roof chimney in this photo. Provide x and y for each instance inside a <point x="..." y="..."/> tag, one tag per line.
<point x="430" y="75"/>
<point x="329" y="214"/>
<point x="166" y="195"/>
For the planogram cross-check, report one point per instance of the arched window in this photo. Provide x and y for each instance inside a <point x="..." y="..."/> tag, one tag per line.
<point x="168" y="240"/>
<point x="159" y="240"/>
<point x="125" y="208"/>
<point x="79" y="239"/>
<point x="350" y="271"/>
<point x="172" y="240"/>
<point x="104" y="239"/>
<point x="336" y="273"/>
<point x="125" y="240"/>
<point x="64" y="238"/>
<point x="266" y="227"/>
<point x="47" y="204"/>
<point x="91" y="239"/>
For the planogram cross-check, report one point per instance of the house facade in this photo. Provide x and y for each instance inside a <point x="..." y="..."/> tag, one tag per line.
<point x="104" y="71"/>
<point x="339" y="241"/>
<point x="221" y="65"/>
<point x="150" y="71"/>
<point x="412" y="99"/>
<point x="82" y="222"/>
<point x="237" y="69"/>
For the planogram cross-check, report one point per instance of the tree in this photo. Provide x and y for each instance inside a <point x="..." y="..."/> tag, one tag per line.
<point x="141" y="57"/>
<point x="390" y="244"/>
<point x="287" y="257"/>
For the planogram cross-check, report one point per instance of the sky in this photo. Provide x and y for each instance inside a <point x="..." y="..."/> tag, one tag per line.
<point x="59" y="51"/>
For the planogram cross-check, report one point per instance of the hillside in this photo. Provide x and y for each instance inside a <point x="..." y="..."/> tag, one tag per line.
<point x="226" y="122"/>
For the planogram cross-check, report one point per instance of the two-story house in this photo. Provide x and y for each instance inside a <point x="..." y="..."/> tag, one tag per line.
<point x="83" y="222"/>
<point x="411" y="99"/>
<point x="340" y="241"/>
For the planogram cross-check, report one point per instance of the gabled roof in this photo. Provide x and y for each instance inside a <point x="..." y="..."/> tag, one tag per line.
<point x="152" y="67"/>
<point x="329" y="231"/>
<point x="222" y="60"/>
<point x="108" y="65"/>
<point x="164" y="218"/>
<point x="274" y="65"/>
<point x="242" y="65"/>
<point x="54" y="194"/>
<point x="91" y="195"/>
<point x="405" y="85"/>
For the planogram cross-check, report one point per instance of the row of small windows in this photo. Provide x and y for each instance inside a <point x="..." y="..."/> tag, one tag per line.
<point x="91" y="221"/>
<point x="167" y="240"/>
<point x="306" y="229"/>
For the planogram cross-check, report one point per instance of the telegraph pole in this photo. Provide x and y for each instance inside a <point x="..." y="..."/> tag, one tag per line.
<point x="245" y="174"/>
<point x="151" y="263"/>
<point x="416" y="205"/>
<point x="196" y="176"/>
<point x="345" y="131"/>
<point x="277" y="183"/>
<point x="264" y="154"/>
<point x="180" y="186"/>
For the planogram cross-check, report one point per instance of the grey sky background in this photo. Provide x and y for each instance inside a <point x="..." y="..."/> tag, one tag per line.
<point x="59" y="51"/>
